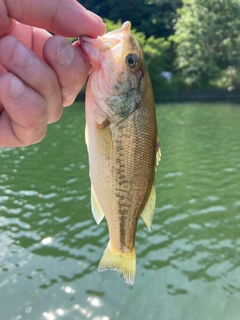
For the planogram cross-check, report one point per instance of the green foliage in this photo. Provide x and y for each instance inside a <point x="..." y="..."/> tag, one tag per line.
<point x="111" y="26"/>
<point x="207" y="39"/>
<point x="156" y="52"/>
<point x="197" y="40"/>
<point x="140" y="36"/>
<point x="153" y="17"/>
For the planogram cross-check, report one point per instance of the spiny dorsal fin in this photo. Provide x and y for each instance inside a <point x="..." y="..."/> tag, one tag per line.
<point x="148" y="211"/>
<point x="96" y="210"/>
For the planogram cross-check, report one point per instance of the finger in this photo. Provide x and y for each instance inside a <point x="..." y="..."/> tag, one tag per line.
<point x="19" y="60"/>
<point x="33" y="38"/>
<point x="39" y="37"/>
<point x="23" y="120"/>
<point x="6" y="22"/>
<point x="68" y="64"/>
<point x="66" y="18"/>
<point x="2" y="70"/>
<point x="22" y="32"/>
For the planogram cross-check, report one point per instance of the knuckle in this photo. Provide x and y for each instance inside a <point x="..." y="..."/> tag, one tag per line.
<point x="56" y="114"/>
<point x="35" y="123"/>
<point x="34" y="135"/>
<point x="68" y="96"/>
<point x="49" y="85"/>
<point x="38" y="115"/>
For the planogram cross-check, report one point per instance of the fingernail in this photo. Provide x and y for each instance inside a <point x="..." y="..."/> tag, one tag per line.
<point x="16" y="88"/>
<point x="22" y="57"/>
<point x="65" y="53"/>
<point x="95" y="16"/>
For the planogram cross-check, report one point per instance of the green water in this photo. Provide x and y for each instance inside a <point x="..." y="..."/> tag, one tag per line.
<point x="188" y="266"/>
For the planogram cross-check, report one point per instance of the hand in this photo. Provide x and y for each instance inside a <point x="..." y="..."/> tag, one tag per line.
<point x="40" y="73"/>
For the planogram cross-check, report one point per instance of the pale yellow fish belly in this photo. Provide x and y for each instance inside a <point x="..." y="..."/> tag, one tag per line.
<point x="122" y="160"/>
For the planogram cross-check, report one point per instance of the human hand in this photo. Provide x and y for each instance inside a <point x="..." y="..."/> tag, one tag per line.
<point x="40" y="73"/>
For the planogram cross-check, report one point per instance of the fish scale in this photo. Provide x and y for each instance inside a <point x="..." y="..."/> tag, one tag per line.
<point x="121" y="135"/>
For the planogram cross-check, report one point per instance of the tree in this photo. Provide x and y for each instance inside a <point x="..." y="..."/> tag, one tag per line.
<point x="208" y="42"/>
<point x="153" y="17"/>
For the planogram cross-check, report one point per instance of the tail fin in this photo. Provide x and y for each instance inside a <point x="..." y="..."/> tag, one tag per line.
<point x="123" y="263"/>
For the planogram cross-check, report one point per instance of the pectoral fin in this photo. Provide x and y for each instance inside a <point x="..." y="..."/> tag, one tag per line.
<point x="158" y="152"/>
<point x="86" y="135"/>
<point x="96" y="210"/>
<point x="148" y="211"/>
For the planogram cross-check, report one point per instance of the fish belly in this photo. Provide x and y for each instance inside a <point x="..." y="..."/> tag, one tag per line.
<point x="122" y="164"/>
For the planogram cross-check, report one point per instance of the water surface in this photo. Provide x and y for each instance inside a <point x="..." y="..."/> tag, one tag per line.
<point x="188" y="266"/>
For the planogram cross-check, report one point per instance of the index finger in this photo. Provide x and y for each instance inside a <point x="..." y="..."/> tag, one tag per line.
<point x="66" y="18"/>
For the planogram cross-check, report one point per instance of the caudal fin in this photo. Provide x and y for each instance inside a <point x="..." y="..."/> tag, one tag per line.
<point x="123" y="263"/>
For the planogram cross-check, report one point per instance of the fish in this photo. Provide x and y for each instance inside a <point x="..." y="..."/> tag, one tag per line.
<point x="122" y="143"/>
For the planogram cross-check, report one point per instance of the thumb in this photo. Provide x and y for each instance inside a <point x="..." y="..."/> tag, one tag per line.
<point x="66" y="18"/>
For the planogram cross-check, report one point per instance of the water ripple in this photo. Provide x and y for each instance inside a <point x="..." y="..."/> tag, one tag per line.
<point x="50" y="245"/>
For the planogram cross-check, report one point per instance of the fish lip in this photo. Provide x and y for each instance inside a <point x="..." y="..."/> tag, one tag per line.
<point x="90" y="46"/>
<point x="84" y="43"/>
<point x="83" y="51"/>
<point x="87" y="39"/>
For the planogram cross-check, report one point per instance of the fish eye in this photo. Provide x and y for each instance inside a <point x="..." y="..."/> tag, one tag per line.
<point x="131" y="60"/>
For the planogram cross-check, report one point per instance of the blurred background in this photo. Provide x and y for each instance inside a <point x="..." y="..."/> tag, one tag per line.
<point x="188" y="266"/>
<point x="191" y="47"/>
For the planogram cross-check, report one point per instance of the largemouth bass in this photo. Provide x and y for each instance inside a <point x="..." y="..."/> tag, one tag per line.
<point x="122" y="142"/>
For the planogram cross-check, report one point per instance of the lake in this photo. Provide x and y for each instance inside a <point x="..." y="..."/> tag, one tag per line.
<point x="188" y="266"/>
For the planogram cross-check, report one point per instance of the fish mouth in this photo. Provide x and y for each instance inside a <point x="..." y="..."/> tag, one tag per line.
<point x="83" y="51"/>
<point x="92" y="47"/>
<point x="89" y="51"/>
